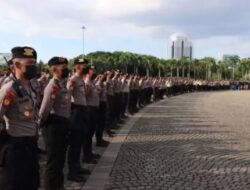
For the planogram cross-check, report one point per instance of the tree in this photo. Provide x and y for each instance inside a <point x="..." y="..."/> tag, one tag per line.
<point x="245" y="68"/>
<point x="207" y="63"/>
<point x="233" y="62"/>
<point x="196" y="67"/>
<point x="205" y="68"/>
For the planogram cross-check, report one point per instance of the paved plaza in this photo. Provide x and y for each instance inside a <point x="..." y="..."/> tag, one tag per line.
<point x="194" y="141"/>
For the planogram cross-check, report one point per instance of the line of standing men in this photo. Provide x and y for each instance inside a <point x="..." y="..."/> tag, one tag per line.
<point x="69" y="111"/>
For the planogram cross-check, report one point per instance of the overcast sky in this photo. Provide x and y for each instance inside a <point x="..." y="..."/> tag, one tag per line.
<point x="53" y="27"/>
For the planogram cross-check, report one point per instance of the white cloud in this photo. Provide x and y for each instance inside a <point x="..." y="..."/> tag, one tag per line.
<point x="207" y="22"/>
<point x="116" y="8"/>
<point x="222" y="44"/>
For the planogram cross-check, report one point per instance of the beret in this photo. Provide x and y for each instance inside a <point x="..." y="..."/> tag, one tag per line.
<point x="24" y="52"/>
<point x="57" y="61"/>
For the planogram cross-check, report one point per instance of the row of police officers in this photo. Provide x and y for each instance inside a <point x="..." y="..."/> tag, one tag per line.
<point x="70" y="111"/>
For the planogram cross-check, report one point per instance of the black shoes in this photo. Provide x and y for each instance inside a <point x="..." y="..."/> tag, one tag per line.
<point x="110" y="133"/>
<point x="120" y="121"/>
<point x="102" y="143"/>
<point x="83" y="171"/>
<point x="96" y="156"/>
<point x="124" y="116"/>
<point x="115" y="126"/>
<point x="41" y="151"/>
<point x="90" y="161"/>
<point x="76" y="178"/>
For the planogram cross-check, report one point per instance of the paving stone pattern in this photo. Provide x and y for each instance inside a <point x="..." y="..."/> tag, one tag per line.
<point x="195" y="141"/>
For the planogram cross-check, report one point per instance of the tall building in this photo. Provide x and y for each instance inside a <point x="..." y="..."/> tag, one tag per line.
<point x="181" y="47"/>
<point x="226" y="57"/>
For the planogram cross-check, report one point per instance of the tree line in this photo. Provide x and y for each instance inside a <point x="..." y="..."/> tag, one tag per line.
<point x="206" y="68"/>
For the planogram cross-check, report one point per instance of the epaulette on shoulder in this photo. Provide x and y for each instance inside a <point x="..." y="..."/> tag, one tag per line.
<point x="55" y="88"/>
<point x="72" y="83"/>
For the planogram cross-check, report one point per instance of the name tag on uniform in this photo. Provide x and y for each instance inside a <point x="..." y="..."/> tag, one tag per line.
<point x="67" y="97"/>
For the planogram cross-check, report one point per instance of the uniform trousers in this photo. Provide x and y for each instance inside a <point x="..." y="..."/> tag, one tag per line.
<point x="19" y="168"/>
<point x="56" y="134"/>
<point x="101" y="121"/>
<point x="78" y="134"/>
<point x="93" y="115"/>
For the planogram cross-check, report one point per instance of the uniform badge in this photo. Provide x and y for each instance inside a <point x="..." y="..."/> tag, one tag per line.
<point x="6" y="102"/>
<point x="28" y="52"/>
<point x="61" y="59"/>
<point x="54" y="91"/>
<point x="72" y="84"/>
<point x="66" y="97"/>
<point x="10" y="95"/>
<point x="55" y="88"/>
<point x="26" y="111"/>
<point x="53" y="96"/>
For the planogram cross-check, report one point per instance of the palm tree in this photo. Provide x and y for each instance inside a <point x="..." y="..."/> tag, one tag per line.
<point x="173" y="65"/>
<point x="178" y="65"/>
<point x="196" y="67"/>
<point x="245" y="65"/>
<point x="207" y="64"/>
<point x="184" y="63"/>
<point x="233" y="62"/>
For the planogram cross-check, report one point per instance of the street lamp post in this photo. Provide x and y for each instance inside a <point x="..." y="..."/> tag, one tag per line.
<point x="233" y="72"/>
<point x="189" y="68"/>
<point x="159" y="70"/>
<point x="83" y="41"/>
<point x="148" y="68"/>
<point x="136" y="68"/>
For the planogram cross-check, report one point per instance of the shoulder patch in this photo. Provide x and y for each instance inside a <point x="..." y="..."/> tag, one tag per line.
<point x="55" y="89"/>
<point x="9" y="97"/>
<point x="72" y="84"/>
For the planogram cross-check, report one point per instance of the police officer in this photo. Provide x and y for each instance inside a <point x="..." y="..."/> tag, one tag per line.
<point x="78" y="122"/>
<point x="131" y="95"/>
<point x="117" y="96"/>
<point x="55" y="113"/>
<point x="19" y="167"/>
<point x="125" y="95"/>
<point x="110" y="103"/>
<point x="102" y="88"/>
<point x="93" y="102"/>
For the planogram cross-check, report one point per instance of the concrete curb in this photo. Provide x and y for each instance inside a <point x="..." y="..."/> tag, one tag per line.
<point x="100" y="175"/>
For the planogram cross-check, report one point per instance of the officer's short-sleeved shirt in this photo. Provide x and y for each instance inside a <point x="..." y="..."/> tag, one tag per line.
<point x="116" y="85"/>
<point x="92" y="95"/>
<point x="110" y="87"/>
<point x="56" y="100"/>
<point x="7" y="79"/>
<point x="102" y="87"/>
<point x="76" y="87"/>
<point x="19" y="113"/>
